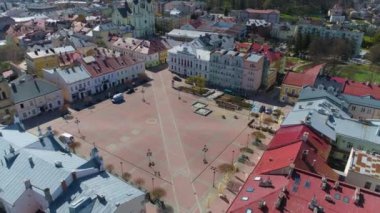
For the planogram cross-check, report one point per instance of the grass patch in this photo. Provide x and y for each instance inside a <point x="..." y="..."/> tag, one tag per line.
<point x="288" y="18"/>
<point x="235" y="100"/>
<point x="359" y="72"/>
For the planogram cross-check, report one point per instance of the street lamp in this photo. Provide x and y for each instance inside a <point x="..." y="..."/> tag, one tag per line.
<point x="77" y="121"/>
<point x="213" y="175"/>
<point x="179" y="94"/>
<point x="233" y="156"/>
<point x="142" y="92"/>
<point x="121" y="167"/>
<point x="204" y="150"/>
<point x="152" y="183"/>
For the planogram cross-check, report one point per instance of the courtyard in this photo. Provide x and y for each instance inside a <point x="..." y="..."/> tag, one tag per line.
<point x="158" y="124"/>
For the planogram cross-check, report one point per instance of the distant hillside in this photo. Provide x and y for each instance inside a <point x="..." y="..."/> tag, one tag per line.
<point x="294" y="7"/>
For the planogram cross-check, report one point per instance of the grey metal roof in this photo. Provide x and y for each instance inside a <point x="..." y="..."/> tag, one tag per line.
<point x="331" y="126"/>
<point x="71" y="74"/>
<point x="43" y="173"/>
<point x="30" y="88"/>
<point x="309" y="93"/>
<point x="367" y="101"/>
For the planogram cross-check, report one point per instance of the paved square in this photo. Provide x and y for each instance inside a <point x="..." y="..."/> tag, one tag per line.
<point x="168" y="127"/>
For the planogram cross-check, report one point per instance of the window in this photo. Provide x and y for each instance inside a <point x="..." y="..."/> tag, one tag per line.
<point x="349" y="145"/>
<point x="353" y="108"/>
<point x="22" y="106"/>
<point x="363" y="109"/>
<point x="377" y="188"/>
<point x="367" y="185"/>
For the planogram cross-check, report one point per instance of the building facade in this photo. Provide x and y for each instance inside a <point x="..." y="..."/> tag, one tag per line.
<point x="140" y="14"/>
<point x="323" y="32"/>
<point x="33" y="96"/>
<point x="7" y="109"/>
<point x="75" y="82"/>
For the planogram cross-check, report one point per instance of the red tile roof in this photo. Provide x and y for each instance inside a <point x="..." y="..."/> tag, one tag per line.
<point x="288" y="148"/>
<point x="362" y="89"/>
<point x="275" y="159"/>
<point x="301" y="188"/>
<point x="305" y="78"/>
<point x="103" y="65"/>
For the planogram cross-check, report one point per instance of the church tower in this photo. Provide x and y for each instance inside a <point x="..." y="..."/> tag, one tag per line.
<point x="142" y="18"/>
<point x="139" y="14"/>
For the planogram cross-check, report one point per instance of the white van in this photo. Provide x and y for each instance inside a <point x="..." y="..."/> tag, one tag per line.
<point x="66" y="138"/>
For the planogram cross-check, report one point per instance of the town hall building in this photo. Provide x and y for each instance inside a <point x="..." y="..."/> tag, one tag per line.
<point x="137" y="13"/>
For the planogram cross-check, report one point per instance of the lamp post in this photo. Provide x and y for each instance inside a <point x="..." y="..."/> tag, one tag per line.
<point x="77" y="121"/>
<point x="179" y="94"/>
<point x="204" y="150"/>
<point x="143" y="96"/>
<point x="213" y="175"/>
<point x="152" y="183"/>
<point x="233" y="156"/>
<point x="121" y="168"/>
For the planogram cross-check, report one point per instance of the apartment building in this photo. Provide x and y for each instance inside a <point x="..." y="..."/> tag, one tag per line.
<point x="239" y="72"/>
<point x="7" y="109"/>
<point x="108" y="72"/>
<point x="45" y="58"/>
<point x="33" y="96"/>
<point x="324" y="32"/>
<point x="75" y="82"/>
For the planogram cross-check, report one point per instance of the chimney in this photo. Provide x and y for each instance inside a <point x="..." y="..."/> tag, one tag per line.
<point x="48" y="196"/>
<point x="30" y="159"/>
<point x="305" y="136"/>
<point x="74" y="175"/>
<point x="314" y="161"/>
<point x="63" y="185"/>
<point x="305" y="153"/>
<point x="49" y="131"/>
<point x="27" y="183"/>
<point x="14" y="88"/>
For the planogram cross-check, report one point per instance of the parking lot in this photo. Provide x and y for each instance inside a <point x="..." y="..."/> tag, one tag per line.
<point x="154" y="118"/>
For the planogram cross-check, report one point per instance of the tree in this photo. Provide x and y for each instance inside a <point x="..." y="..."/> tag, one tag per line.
<point x="81" y="18"/>
<point x="110" y="168"/>
<point x="158" y="193"/>
<point x="126" y="176"/>
<point x="226" y="168"/>
<point x="258" y="135"/>
<point x="374" y="54"/>
<point x="74" y="145"/>
<point x="139" y="182"/>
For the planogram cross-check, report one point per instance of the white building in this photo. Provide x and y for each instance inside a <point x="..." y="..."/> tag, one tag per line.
<point x="137" y="13"/>
<point x="39" y="174"/>
<point x="362" y="169"/>
<point x="187" y="60"/>
<point x="107" y="72"/>
<point x="75" y="82"/>
<point x="33" y="96"/>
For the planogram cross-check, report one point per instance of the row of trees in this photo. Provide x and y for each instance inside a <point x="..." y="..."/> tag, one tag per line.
<point x="323" y="48"/>
<point x="299" y="7"/>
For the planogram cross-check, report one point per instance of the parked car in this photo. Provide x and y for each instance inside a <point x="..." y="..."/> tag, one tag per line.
<point x="268" y="110"/>
<point x="66" y="138"/>
<point x="130" y="91"/>
<point x="176" y="78"/>
<point x="118" y="98"/>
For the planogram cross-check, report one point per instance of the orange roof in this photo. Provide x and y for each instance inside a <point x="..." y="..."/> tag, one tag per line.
<point x="305" y="78"/>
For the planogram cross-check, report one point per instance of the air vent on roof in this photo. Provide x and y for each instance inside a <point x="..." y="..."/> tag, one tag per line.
<point x="262" y="204"/>
<point x="357" y="196"/>
<point x="266" y="183"/>
<point x="58" y="164"/>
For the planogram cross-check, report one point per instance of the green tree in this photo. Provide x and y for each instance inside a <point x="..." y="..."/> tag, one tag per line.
<point x="374" y="54"/>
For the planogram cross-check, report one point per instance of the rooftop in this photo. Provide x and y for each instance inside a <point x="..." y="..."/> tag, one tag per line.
<point x="26" y="87"/>
<point x="71" y="74"/>
<point x="100" y="64"/>
<point x="301" y="192"/>
<point x="306" y="78"/>
<point x="362" y="89"/>
<point x="249" y="10"/>
<point x="365" y="163"/>
<point x="43" y="162"/>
